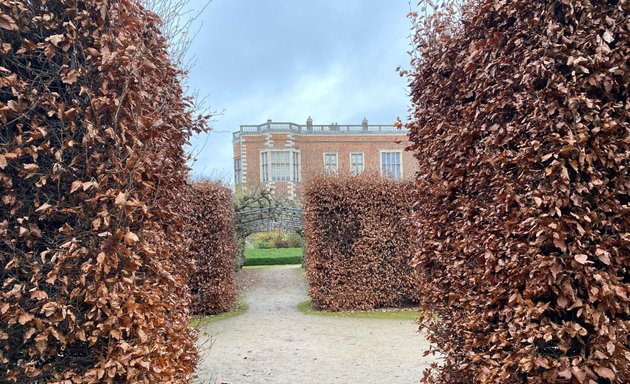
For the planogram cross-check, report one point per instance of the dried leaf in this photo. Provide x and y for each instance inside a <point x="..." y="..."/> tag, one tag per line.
<point x="8" y="23"/>
<point x="130" y="238"/>
<point x="608" y="37"/>
<point x="581" y="258"/>
<point x="43" y="207"/>
<point x="55" y="39"/>
<point x="25" y="318"/>
<point x="75" y="186"/>
<point x="606" y="373"/>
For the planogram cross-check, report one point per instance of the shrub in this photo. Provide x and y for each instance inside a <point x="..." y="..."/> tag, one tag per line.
<point x="273" y="256"/>
<point x="277" y="239"/>
<point x="280" y="242"/>
<point x="358" y="243"/>
<point x="92" y="282"/>
<point x="522" y="132"/>
<point x="294" y="240"/>
<point x="211" y="240"/>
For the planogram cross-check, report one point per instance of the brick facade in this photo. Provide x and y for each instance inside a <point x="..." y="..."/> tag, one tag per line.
<point x="306" y="145"/>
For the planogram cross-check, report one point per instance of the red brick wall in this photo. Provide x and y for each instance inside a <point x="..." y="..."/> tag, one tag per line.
<point x="312" y="149"/>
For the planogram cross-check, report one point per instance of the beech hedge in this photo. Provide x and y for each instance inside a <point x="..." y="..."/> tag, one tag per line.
<point x="358" y="242"/>
<point x="211" y="240"/>
<point x="92" y="266"/>
<point x="521" y="127"/>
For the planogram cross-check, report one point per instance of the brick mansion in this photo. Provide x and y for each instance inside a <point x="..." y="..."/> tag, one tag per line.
<point x="279" y="156"/>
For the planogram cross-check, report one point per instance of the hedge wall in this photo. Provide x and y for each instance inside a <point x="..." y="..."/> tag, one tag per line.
<point x="358" y="243"/>
<point x="92" y="278"/>
<point x="522" y="132"/>
<point x="211" y="240"/>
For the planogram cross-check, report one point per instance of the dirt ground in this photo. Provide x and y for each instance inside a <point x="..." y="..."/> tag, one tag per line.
<point x="275" y="343"/>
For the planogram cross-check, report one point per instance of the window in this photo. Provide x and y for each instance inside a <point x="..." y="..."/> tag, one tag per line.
<point x="296" y="166"/>
<point x="356" y="163"/>
<point x="390" y="164"/>
<point x="330" y="162"/>
<point x="265" y="167"/>
<point x="237" y="171"/>
<point x="279" y="165"/>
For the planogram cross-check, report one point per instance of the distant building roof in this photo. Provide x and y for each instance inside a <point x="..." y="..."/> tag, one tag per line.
<point x="310" y="129"/>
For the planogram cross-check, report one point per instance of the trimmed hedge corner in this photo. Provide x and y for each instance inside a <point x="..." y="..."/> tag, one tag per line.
<point x="521" y="127"/>
<point x="211" y="240"/>
<point x="358" y="242"/>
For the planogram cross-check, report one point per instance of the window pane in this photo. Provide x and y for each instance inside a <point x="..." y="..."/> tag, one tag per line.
<point x="237" y="170"/>
<point x="296" y="166"/>
<point x="281" y="166"/>
<point x="330" y="162"/>
<point x="265" y="167"/>
<point x="356" y="163"/>
<point x="390" y="164"/>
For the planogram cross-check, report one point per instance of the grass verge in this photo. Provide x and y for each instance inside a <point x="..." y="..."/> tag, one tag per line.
<point x="273" y="256"/>
<point x="200" y="321"/>
<point x="389" y="313"/>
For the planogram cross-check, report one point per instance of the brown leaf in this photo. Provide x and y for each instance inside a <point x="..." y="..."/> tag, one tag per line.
<point x="581" y="258"/>
<point x="608" y="37"/>
<point x="25" y="318"/>
<point x="606" y="373"/>
<point x="560" y="243"/>
<point x="120" y="199"/>
<point x="43" y="207"/>
<point x="130" y="238"/>
<point x="31" y="167"/>
<point x="39" y="295"/>
<point x="55" y="39"/>
<point x="75" y="186"/>
<point x="8" y="23"/>
<point x="28" y="334"/>
<point x="580" y="374"/>
<point x="70" y="78"/>
<point x="603" y="256"/>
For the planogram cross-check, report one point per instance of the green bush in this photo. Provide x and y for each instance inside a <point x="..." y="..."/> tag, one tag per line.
<point x="294" y="240"/>
<point x="275" y="260"/>
<point x="276" y="239"/>
<point x="273" y="256"/>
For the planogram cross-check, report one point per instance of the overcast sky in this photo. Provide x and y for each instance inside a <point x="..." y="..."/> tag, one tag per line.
<point x="285" y="60"/>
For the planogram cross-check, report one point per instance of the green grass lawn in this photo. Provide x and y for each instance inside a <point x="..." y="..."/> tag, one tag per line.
<point x="273" y="256"/>
<point x="389" y="313"/>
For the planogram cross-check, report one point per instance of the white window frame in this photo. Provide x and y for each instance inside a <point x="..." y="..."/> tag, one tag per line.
<point x="266" y="170"/>
<point x="380" y="159"/>
<point x="336" y="162"/>
<point x="352" y="172"/>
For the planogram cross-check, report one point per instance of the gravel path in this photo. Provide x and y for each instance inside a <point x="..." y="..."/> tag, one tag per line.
<point x="275" y="343"/>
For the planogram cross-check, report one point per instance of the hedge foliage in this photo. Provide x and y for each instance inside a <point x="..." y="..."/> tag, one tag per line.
<point x="92" y="270"/>
<point x="522" y="132"/>
<point x="211" y="241"/>
<point x="358" y="243"/>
